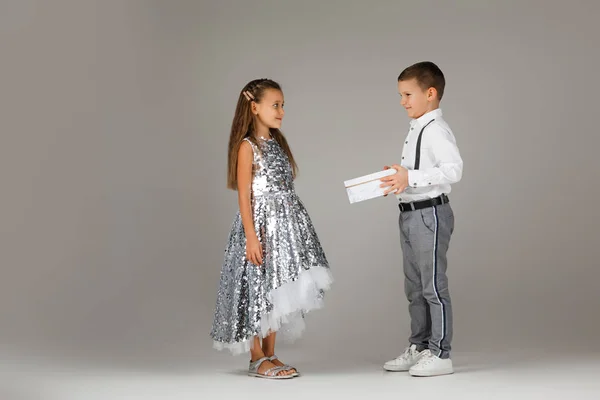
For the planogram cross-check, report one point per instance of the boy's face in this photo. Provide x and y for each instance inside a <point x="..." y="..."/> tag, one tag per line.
<point x="415" y="100"/>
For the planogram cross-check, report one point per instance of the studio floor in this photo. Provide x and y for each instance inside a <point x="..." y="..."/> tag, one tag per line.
<point x="506" y="375"/>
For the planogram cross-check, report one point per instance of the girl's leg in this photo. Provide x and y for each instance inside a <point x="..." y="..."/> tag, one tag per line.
<point x="268" y="348"/>
<point x="256" y="353"/>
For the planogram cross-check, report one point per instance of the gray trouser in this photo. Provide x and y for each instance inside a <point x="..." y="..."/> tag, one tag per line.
<point x="425" y="236"/>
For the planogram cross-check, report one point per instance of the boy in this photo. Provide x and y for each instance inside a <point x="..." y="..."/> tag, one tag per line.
<point x="430" y="163"/>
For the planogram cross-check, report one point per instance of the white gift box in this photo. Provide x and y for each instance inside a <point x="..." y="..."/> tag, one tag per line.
<point x="367" y="187"/>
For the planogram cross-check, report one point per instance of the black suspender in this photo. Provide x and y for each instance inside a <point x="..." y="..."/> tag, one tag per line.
<point x="418" y="153"/>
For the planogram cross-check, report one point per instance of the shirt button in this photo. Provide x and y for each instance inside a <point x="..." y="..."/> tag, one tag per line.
<point x="403" y="158"/>
<point x="406" y="142"/>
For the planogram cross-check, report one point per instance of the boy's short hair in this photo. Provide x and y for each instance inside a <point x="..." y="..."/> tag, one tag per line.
<point x="427" y="75"/>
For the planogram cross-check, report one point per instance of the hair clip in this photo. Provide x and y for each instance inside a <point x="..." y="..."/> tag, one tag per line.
<point x="248" y="95"/>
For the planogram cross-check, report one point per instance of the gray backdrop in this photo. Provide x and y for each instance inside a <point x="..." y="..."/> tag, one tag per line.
<point x="115" y="118"/>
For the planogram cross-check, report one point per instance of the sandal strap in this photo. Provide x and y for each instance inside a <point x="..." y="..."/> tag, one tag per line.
<point x="254" y="365"/>
<point x="285" y="367"/>
<point x="276" y="369"/>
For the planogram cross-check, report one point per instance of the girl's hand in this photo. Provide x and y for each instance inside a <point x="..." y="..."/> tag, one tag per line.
<point x="254" y="251"/>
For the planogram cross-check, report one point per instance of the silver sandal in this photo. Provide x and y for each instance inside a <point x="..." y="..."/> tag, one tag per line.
<point x="286" y="367"/>
<point x="271" y="373"/>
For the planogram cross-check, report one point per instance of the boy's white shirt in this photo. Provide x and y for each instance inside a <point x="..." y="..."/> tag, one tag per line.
<point x="441" y="164"/>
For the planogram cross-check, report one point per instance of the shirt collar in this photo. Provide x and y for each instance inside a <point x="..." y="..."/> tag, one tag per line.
<point x="425" y="118"/>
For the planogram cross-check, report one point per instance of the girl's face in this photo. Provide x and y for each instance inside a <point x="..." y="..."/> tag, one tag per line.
<point x="270" y="109"/>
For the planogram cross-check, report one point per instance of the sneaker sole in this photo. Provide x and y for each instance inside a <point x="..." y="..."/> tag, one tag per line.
<point x="393" y="368"/>
<point x="431" y="373"/>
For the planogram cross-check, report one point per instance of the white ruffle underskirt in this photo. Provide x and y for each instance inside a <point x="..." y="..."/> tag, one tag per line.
<point x="290" y="301"/>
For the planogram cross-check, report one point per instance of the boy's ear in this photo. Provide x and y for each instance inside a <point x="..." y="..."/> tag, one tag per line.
<point x="431" y="93"/>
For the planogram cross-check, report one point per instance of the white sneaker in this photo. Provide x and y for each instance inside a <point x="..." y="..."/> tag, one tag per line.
<point x="404" y="361"/>
<point x="430" y="365"/>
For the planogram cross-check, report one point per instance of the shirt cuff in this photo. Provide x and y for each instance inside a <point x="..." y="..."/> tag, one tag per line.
<point x="415" y="178"/>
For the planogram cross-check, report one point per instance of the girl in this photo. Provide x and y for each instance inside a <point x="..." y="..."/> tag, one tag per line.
<point x="275" y="269"/>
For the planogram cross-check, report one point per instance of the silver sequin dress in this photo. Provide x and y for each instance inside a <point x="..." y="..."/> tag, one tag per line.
<point x="254" y="300"/>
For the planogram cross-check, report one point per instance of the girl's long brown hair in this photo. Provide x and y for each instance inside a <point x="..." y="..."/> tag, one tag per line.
<point x="243" y="126"/>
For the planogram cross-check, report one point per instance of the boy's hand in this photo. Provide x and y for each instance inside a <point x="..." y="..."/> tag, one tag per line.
<point x="397" y="182"/>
